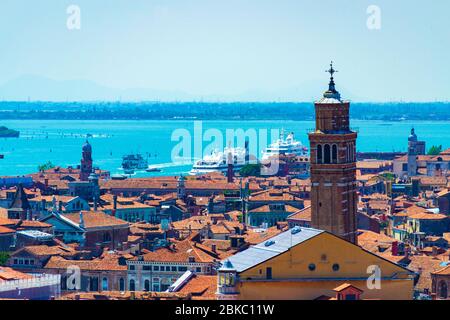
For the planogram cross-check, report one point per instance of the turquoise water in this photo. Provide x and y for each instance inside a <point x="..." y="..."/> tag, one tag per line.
<point x="60" y="141"/>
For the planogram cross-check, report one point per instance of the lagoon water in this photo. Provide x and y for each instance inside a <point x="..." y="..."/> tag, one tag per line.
<point x="60" y="141"/>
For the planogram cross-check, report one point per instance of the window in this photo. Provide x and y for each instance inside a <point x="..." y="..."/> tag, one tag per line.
<point x="147" y="285"/>
<point x="336" y="267"/>
<point x="93" y="283"/>
<point x="443" y="291"/>
<point x="147" y="268"/>
<point x="350" y="297"/>
<point x="121" y="284"/>
<point x="131" y="267"/>
<point x="174" y="268"/>
<point x="105" y="284"/>
<point x="106" y="237"/>
<point x="132" y="285"/>
<point x="334" y="153"/>
<point x="319" y="153"/>
<point x="312" y="267"/>
<point x="182" y="269"/>
<point x="269" y="273"/>
<point x="327" y="154"/>
<point x="155" y="268"/>
<point x="198" y="269"/>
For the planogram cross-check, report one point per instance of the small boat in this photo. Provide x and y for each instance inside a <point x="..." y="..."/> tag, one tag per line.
<point x="153" y="170"/>
<point x="2" y="156"/>
<point x="134" y="162"/>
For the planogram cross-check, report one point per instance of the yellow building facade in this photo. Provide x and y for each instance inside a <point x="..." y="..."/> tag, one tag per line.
<point x="310" y="264"/>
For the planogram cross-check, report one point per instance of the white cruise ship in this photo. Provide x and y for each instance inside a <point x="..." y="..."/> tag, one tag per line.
<point x="286" y="145"/>
<point x="218" y="161"/>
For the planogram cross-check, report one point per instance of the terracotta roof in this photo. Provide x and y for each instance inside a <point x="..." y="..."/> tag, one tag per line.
<point x="371" y="241"/>
<point x="345" y="286"/>
<point x="9" y="274"/>
<point x="256" y="236"/>
<point x="5" y="230"/>
<point x="273" y="195"/>
<point x="96" y="219"/>
<point x="44" y="250"/>
<point x="433" y="181"/>
<point x="266" y="208"/>
<point x="3" y="213"/>
<point x="202" y="287"/>
<point x="424" y="265"/>
<point x="444" y="271"/>
<point x="446" y="152"/>
<point x="192" y="223"/>
<point x="427" y="216"/>
<point x="109" y="262"/>
<point x="180" y="253"/>
<point x="370" y="164"/>
<point x="302" y="215"/>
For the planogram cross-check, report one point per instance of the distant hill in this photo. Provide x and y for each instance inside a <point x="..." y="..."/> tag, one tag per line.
<point x="36" y="88"/>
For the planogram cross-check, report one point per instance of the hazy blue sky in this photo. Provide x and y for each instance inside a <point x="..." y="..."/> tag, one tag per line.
<point x="230" y="49"/>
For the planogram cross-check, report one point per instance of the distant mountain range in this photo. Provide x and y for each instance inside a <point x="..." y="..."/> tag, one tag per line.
<point x="36" y="88"/>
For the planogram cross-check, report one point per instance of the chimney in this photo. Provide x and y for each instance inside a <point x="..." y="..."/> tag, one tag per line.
<point x="46" y="182"/>
<point x="395" y="248"/>
<point x="214" y="248"/>
<point x="60" y="205"/>
<point x="115" y="202"/>
<point x="434" y="251"/>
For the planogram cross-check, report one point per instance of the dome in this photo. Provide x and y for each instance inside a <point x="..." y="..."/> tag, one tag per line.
<point x="412" y="136"/>
<point x="87" y="147"/>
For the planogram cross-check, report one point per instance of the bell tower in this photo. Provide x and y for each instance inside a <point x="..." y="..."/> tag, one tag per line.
<point x="333" y="166"/>
<point x="86" y="162"/>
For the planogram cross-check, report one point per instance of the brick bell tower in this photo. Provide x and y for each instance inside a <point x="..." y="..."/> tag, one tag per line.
<point x="86" y="162"/>
<point x="333" y="166"/>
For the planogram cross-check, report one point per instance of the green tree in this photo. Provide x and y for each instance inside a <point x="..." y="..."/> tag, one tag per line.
<point x="435" y="150"/>
<point x="4" y="256"/>
<point x="250" y="170"/>
<point x="46" y="166"/>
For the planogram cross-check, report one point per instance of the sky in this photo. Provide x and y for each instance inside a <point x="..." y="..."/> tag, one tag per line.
<point x="224" y="50"/>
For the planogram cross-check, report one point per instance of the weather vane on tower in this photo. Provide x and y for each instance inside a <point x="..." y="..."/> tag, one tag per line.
<point x="331" y="71"/>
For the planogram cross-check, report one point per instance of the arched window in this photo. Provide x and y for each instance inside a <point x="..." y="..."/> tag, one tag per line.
<point x="319" y="153"/>
<point x="132" y="285"/>
<point x="121" y="284"/>
<point x="334" y="153"/>
<point x="443" y="290"/>
<point x="147" y="285"/>
<point x="327" y="154"/>
<point x="104" y="284"/>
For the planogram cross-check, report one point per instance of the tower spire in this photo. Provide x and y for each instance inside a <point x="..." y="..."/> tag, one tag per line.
<point x="332" y="92"/>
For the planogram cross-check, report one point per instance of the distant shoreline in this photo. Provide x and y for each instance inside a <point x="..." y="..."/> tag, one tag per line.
<point x="237" y="111"/>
